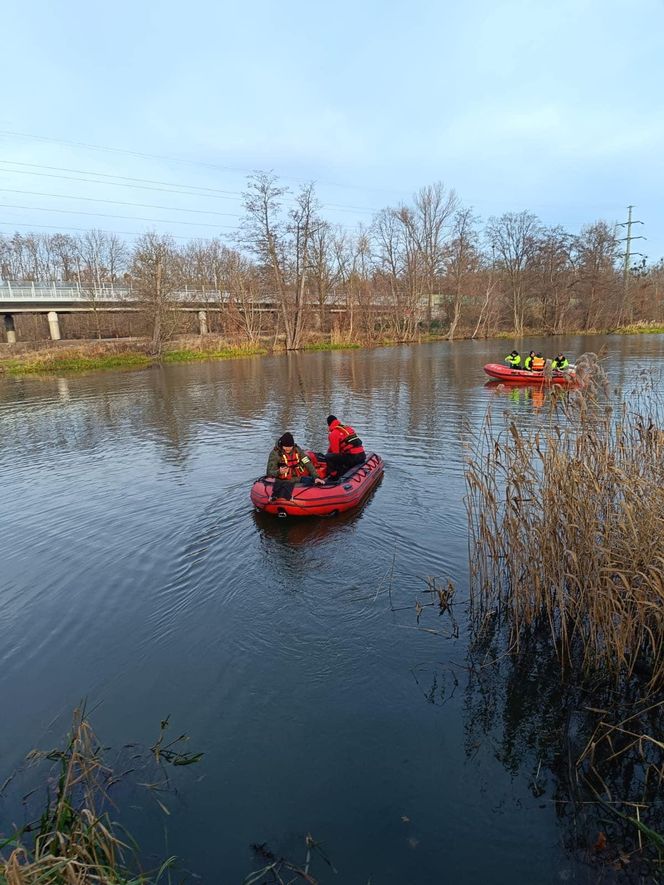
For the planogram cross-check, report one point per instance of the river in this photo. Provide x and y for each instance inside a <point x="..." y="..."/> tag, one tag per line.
<point x="135" y="575"/>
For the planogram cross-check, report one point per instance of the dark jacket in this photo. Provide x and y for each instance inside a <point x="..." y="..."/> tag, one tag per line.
<point x="276" y="460"/>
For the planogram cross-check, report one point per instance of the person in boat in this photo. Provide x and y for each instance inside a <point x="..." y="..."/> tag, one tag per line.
<point x="528" y="362"/>
<point x="345" y="449"/>
<point x="513" y="359"/>
<point x="538" y="362"/>
<point x="560" y="362"/>
<point x="288" y="464"/>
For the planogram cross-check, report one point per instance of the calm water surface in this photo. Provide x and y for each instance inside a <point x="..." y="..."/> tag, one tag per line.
<point x="135" y="574"/>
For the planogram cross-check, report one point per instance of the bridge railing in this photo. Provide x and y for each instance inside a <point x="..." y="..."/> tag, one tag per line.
<point x="52" y="293"/>
<point x="75" y="292"/>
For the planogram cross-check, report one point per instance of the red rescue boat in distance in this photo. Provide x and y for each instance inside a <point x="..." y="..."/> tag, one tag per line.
<point x="325" y="500"/>
<point x="521" y="376"/>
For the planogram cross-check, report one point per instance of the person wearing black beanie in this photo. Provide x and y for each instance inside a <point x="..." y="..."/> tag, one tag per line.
<point x="288" y="464"/>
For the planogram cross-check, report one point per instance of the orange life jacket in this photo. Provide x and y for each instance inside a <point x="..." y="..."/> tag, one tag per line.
<point x="538" y="362"/>
<point x="350" y="443"/>
<point x="292" y="464"/>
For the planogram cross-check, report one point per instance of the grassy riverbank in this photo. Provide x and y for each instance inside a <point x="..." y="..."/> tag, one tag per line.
<point x="641" y="329"/>
<point x="134" y="353"/>
<point x="100" y="355"/>
<point x="111" y="355"/>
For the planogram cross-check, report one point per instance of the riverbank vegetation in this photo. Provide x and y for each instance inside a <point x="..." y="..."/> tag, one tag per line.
<point x="427" y="266"/>
<point x="73" y="837"/>
<point x="84" y="357"/>
<point x="567" y="542"/>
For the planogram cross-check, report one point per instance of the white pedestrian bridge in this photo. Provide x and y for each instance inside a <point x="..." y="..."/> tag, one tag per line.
<point x="54" y="298"/>
<point x="43" y="296"/>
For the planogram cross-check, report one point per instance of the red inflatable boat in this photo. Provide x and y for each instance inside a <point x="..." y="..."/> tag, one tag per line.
<point x="521" y="376"/>
<point x="327" y="500"/>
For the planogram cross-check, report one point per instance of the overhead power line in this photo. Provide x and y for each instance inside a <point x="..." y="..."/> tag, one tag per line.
<point x="85" y="230"/>
<point x="6" y="190"/>
<point x="124" y="217"/>
<point x="112" y="183"/>
<point x="171" y="159"/>
<point x="142" y="183"/>
<point x="212" y="190"/>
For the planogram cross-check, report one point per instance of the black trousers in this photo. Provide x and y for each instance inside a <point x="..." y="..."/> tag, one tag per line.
<point x="338" y="464"/>
<point x="283" y="488"/>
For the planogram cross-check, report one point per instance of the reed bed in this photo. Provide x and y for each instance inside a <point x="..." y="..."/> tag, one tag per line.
<point x="567" y="566"/>
<point x="567" y="528"/>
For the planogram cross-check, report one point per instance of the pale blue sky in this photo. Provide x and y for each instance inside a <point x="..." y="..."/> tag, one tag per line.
<point x="555" y="107"/>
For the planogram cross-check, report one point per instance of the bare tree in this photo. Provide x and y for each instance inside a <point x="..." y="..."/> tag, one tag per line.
<point x="157" y="274"/>
<point x="100" y="258"/>
<point x="433" y="213"/>
<point x="63" y="249"/>
<point x="242" y="285"/>
<point x="325" y="269"/>
<point x="514" y="237"/>
<point x="463" y="262"/>
<point x="7" y="257"/>
<point x="397" y="264"/>
<point x="554" y="278"/>
<point x="284" y="245"/>
<point x="596" y="252"/>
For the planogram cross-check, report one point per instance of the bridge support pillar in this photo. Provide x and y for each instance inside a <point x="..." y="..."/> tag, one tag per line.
<point x="202" y="322"/>
<point x="10" y="329"/>
<point x="53" y="325"/>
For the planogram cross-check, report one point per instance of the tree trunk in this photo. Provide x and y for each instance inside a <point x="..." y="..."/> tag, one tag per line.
<point x="157" y="325"/>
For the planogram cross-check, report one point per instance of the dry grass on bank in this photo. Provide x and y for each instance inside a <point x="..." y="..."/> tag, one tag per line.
<point x="120" y="355"/>
<point x="72" y="838"/>
<point x="77" y="358"/>
<point x="74" y="841"/>
<point x="642" y="328"/>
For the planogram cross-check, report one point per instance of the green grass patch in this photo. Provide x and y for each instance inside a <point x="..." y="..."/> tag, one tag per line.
<point x="641" y="329"/>
<point x="227" y="353"/>
<point x="76" y="364"/>
<point x="328" y="345"/>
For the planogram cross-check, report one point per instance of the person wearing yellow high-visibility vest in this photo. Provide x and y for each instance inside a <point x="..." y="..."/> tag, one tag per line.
<point x="560" y="362"/>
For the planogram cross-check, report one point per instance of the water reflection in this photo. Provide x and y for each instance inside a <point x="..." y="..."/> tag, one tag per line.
<point x="135" y="573"/>
<point x="294" y="531"/>
<point x="559" y="737"/>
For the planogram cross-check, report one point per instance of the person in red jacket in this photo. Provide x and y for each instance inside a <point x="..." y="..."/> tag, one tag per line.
<point x="345" y="448"/>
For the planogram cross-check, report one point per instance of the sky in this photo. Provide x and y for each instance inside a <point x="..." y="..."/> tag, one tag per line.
<point x="128" y="116"/>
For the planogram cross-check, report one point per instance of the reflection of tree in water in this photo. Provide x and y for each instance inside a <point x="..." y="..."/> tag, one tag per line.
<point x="603" y="773"/>
<point x="162" y="417"/>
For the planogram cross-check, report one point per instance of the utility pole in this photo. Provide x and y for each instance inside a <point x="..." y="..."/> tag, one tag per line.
<point x="628" y="254"/>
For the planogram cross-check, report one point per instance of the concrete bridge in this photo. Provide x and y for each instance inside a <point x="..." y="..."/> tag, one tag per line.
<point x="55" y="298"/>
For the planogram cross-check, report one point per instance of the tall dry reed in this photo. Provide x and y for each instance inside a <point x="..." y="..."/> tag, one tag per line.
<point x="567" y="591"/>
<point x="567" y="528"/>
<point x="74" y="840"/>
